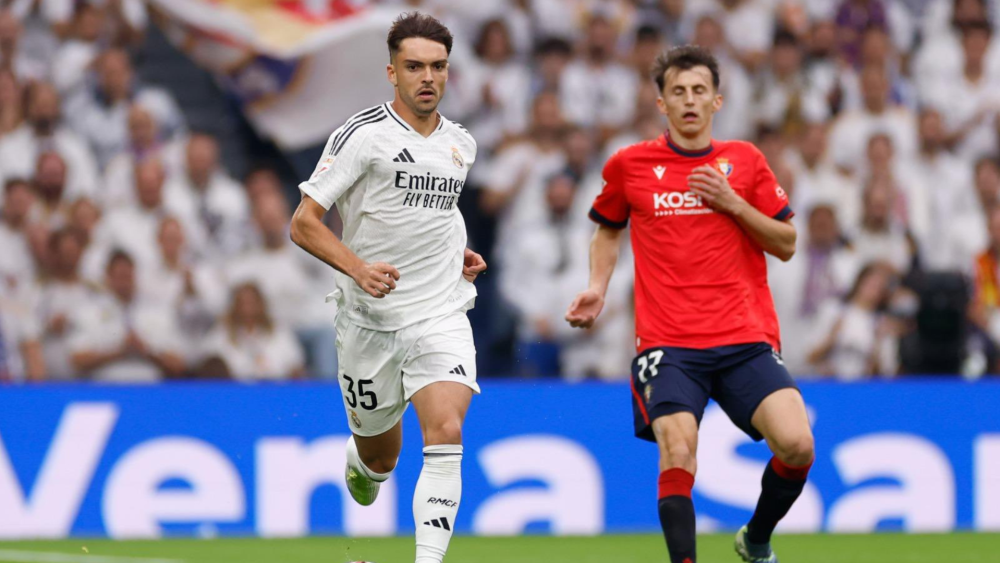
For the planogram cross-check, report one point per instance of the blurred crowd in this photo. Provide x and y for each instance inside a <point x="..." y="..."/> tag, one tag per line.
<point x="130" y="252"/>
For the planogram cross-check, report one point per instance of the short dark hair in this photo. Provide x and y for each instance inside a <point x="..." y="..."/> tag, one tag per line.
<point x="12" y="183"/>
<point x="415" y="24"/>
<point x="685" y="58"/>
<point x="119" y="255"/>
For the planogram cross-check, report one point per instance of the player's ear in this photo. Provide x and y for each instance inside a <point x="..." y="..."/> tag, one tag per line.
<point x="661" y="105"/>
<point x="390" y="72"/>
<point x="717" y="103"/>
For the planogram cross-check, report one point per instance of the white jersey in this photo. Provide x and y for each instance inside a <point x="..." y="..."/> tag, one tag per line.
<point x="397" y="194"/>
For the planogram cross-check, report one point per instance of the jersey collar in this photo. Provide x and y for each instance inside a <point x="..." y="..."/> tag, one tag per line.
<point x="404" y="125"/>
<point x="686" y="153"/>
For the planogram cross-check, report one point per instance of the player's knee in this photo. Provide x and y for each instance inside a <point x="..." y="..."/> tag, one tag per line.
<point x="446" y="432"/>
<point x="797" y="451"/>
<point x="679" y="457"/>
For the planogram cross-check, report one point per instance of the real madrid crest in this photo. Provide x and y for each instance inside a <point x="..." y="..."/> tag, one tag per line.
<point x="456" y="158"/>
<point x="355" y="419"/>
<point x="724" y="166"/>
<point x="648" y="392"/>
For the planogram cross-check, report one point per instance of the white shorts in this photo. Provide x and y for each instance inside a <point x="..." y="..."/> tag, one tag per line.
<point x="380" y="371"/>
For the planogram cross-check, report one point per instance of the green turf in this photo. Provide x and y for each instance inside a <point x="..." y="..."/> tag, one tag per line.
<point x="885" y="548"/>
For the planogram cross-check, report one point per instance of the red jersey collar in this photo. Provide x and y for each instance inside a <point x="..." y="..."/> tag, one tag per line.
<point x="686" y="153"/>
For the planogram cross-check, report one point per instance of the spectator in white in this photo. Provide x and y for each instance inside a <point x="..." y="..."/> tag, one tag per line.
<point x="16" y="262"/>
<point x="20" y="346"/>
<point x="547" y="252"/>
<point x="251" y="343"/>
<point x="221" y="204"/>
<point x="735" y="119"/>
<point x="856" y="340"/>
<point x="851" y="131"/>
<point x="940" y="54"/>
<point x="824" y="270"/>
<point x="61" y="292"/>
<point x="42" y="132"/>
<point x="969" y="96"/>
<point x="948" y="183"/>
<point x="194" y="291"/>
<point x="133" y="228"/>
<point x="748" y="26"/>
<point x="494" y="87"/>
<point x="12" y="57"/>
<point x="912" y="203"/>
<point x="52" y="205"/>
<point x="596" y="90"/>
<point x="119" y="336"/>
<point x="11" y="94"/>
<point x="145" y="142"/>
<point x="882" y="236"/>
<point x="78" y="52"/>
<point x="515" y="183"/>
<point x="101" y="114"/>
<point x="818" y="180"/>
<point x="785" y="100"/>
<point x="122" y="22"/>
<point x="552" y="56"/>
<point x="823" y="67"/>
<point x="293" y="282"/>
<point x="877" y="50"/>
<point x="664" y="15"/>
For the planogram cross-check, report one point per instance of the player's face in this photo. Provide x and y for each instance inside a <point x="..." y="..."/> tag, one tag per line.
<point x="689" y="100"/>
<point x="419" y="72"/>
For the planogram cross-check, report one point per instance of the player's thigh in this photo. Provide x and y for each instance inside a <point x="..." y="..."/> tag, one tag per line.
<point x="784" y="423"/>
<point x="439" y="377"/>
<point x="370" y="378"/>
<point x="664" y="383"/>
<point x="741" y="388"/>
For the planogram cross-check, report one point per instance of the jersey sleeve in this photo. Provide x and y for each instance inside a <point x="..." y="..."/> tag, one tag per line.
<point x="345" y="159"/>
<point x="767" y="195"/>
<point x="611" y="207"/>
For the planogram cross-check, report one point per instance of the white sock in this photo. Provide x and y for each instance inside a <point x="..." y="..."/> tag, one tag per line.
<point x="436" y="500"/>
<point x="354" y="460"/>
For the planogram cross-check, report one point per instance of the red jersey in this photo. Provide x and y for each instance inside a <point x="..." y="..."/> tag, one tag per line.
<point x="700" y="280"/>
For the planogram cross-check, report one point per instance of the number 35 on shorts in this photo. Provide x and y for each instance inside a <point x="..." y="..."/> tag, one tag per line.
<point x="647" y="365"/>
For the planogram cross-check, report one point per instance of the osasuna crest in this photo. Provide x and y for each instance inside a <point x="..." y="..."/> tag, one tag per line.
<point x="456" y="158"/>
<point x="724" y="166"/>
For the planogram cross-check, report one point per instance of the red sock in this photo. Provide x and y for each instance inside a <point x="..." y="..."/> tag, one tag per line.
<point x="677" y="514"/>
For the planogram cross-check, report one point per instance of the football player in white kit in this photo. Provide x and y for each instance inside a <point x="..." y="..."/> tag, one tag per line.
<point x="395" y="172"/>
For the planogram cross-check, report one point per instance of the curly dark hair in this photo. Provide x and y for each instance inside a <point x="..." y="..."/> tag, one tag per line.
<point x="415" y="24"/>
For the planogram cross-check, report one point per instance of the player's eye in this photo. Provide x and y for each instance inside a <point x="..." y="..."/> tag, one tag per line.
<point x="439" y="66"/>
<point x="411" y="67"/>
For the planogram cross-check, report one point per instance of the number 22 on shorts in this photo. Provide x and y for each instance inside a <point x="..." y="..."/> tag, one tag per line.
<point x="649" y="362"/>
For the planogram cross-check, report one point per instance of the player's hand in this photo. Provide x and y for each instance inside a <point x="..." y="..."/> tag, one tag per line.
<point x="585" y="308"/>
<point x="474" y="265"/>
<point x="714" y="189"/>
<point x="376" y="279"/>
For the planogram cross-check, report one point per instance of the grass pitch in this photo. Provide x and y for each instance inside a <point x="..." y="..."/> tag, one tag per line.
<point x="881" y="548"/>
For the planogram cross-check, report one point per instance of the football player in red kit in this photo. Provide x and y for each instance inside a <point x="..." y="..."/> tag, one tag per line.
<point x="703" y="213"/>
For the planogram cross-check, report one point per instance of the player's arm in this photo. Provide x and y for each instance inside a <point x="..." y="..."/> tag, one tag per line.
<point x="776" y="235"/>
<point x="588" y="304"/>
<point x="310" y="233"/>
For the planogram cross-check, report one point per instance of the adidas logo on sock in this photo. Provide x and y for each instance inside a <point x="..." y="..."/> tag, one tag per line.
<point x="404" y="156"/>
<point x="459" y="371"/>
<point x="439" y="523"/>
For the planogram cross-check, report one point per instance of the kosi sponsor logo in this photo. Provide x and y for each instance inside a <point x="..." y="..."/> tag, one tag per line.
<point x="678" y="203"/>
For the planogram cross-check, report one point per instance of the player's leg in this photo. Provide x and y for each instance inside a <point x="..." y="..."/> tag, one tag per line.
<point x="781" y="418"/>
<point x="370" y="461"/>
<point x="669" y="394"/>
<point x="761" y="398"/>
<point x="371" y="386"/>
<point x="440" y="379"/>
<point x="677" y="438"/>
